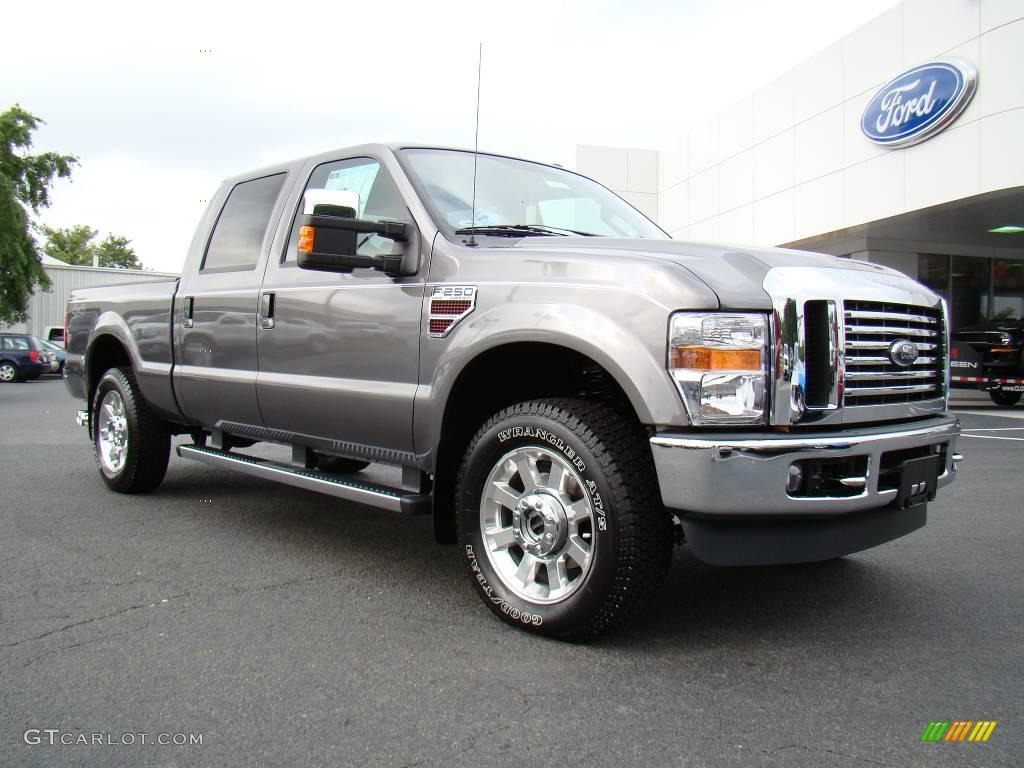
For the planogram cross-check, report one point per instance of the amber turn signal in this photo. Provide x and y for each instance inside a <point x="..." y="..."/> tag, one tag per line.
<point x="713" y="359"/>
<point x="306" y="239"/>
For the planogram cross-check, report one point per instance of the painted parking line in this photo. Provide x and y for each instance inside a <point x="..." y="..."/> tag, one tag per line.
<point x="994" y="429"/>
<point x="995" y="414"/>
<point x="993" y="437"/>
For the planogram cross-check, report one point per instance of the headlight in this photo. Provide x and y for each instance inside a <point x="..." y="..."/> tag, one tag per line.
<point x="719" y="363"/>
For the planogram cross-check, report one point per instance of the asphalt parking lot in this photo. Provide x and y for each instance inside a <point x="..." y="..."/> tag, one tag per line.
<point x="291" y="629"/>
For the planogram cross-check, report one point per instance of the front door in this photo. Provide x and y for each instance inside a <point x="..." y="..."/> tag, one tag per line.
<point x="339" y="356"/>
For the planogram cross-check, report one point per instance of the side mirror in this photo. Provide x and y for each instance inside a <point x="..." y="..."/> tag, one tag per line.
<point x="330" y="243"/>
<point x="331" y="202"/>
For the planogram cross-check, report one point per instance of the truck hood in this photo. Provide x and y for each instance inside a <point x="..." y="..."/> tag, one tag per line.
<point x="735" y="273"/>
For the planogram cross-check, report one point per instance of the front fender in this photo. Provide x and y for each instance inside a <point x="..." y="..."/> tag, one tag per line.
<point x="630" y="347"/>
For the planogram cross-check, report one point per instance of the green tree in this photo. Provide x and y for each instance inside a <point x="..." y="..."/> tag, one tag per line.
<point x="74" y="245"/>
<point x="116" y="251"/>
<point x="25" y="181"/>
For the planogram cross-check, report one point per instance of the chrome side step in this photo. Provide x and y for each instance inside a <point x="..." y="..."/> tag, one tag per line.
<point x="321" y="482"/>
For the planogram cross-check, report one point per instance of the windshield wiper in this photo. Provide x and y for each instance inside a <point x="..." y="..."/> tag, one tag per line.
<point x="520" y="230"/>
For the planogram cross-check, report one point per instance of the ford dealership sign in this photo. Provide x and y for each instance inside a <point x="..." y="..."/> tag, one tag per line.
<point x="919" y="103"/>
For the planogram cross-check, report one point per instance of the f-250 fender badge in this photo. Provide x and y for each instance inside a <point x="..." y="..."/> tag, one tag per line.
<point x="449" y="304"/>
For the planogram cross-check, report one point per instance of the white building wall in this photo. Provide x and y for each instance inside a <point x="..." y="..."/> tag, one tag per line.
<point x="789" y="160"/>
<point x="630" y="173"/>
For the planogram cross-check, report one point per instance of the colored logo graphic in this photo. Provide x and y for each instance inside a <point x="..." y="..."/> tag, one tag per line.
<point x="959" y="730"/>
<point x="919" y="103"/>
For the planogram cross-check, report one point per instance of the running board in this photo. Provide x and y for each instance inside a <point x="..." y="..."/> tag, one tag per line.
<point x="321" y="482"/>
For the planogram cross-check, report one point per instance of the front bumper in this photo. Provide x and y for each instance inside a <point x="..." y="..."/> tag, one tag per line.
<point x="744" y="475"/>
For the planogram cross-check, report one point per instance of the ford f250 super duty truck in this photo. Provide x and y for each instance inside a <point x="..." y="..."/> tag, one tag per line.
<point x="567" y="390"/>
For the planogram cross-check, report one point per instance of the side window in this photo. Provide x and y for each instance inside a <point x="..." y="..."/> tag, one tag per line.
<point x="16" y="343"/>
<point x="379" y="200"/>
<point x="240" y="228"/>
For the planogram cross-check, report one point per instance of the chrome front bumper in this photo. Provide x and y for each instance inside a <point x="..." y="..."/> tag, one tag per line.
<point x="745" y="474"/>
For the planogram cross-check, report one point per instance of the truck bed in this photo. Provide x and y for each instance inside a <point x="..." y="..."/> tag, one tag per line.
<point x="139" y="316"/>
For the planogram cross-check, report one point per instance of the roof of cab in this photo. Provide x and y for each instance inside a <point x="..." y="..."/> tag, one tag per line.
<point x="373" y="149"/>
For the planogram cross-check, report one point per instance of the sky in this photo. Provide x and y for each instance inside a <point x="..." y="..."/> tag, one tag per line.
<point x="160" y="102"/>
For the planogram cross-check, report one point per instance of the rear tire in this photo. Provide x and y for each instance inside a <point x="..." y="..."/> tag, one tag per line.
<point x="561" y="526"/>
<point x="131" y="444"/>
<point x="9" y="372"/>
<point x="1004" y="399"/>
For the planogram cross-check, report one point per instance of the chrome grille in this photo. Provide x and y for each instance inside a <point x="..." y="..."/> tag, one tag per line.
<point x="872" y="378"/>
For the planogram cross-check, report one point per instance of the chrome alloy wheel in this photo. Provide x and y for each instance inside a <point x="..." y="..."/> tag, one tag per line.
<point x="8" y="372"/>
<point x="537" y="525"/>
<point x="112" y="428"/>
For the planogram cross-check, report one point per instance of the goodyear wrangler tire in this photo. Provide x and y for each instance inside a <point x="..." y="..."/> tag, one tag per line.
<point x="132" y="445"/>
<point x="559" y="517"/>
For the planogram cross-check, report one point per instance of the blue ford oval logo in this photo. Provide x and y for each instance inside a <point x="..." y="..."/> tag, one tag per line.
<point x="903" y="352"/>
<point x="919" y="103"/>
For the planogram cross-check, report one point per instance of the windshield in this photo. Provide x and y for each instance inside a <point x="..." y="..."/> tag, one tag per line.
<point x="516" y="198"/>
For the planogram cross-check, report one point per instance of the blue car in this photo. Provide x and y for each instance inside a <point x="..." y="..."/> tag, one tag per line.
<point x="22" y="357"/>
<point x="56" y="352"/>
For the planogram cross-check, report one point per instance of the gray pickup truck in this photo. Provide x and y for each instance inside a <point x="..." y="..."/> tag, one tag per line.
<point x="568" y="391"/>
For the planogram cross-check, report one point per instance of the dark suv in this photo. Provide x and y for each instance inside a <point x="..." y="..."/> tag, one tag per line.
<point x="991" y="354"/>
<point x="21" y="357"/>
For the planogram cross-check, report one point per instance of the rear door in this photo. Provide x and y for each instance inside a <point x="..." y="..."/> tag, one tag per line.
<point x="339" y="361"/>
<point x="216" y="308"/>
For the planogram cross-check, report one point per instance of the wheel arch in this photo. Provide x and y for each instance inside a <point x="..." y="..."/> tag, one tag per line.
<point x="106" y="350"/>
<point x="475" y="395"/>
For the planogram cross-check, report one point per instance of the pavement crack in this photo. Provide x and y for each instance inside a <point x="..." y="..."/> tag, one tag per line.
<point x="828" y="752"/>
<point x="91" y="620"/>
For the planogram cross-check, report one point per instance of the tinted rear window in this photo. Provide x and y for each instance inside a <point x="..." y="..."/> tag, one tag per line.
<point x="238" y="234"/>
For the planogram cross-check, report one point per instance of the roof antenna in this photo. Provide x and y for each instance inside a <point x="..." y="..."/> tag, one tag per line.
<point x="476" y="146"/>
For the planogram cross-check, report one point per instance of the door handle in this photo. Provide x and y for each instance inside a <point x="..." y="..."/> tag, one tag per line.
<point x="267" y="311"/>
<point x="189" y="306"/>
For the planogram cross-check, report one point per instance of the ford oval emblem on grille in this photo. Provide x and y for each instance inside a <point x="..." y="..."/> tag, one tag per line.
<point x="903" y="352"/>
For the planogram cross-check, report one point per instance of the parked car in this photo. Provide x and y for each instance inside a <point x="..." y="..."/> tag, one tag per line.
<point x="54" y="333"/>
<point x="58" y="353"/>
<point x="22" y="357"/>
<point x="567" y="390"/>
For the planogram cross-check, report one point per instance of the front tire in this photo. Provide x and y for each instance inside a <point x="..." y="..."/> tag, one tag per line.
<point x="1004" y="399"/>
<point x="561" y="527"/>
<point x="131" y="444"/>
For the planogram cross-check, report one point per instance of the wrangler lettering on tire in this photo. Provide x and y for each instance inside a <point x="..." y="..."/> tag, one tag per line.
<point x="558" y="513"/>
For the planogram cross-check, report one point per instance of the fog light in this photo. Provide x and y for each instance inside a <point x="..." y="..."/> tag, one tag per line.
<point x="794" y="479"/>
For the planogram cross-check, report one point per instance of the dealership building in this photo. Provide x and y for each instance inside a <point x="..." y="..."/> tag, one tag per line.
<point x="901" y="144"/>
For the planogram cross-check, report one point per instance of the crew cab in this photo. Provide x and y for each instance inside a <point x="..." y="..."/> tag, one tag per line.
<point x="567" y="390"/>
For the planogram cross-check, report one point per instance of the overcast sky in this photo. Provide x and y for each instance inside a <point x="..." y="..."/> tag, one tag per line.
<point x="157" y="122"/>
